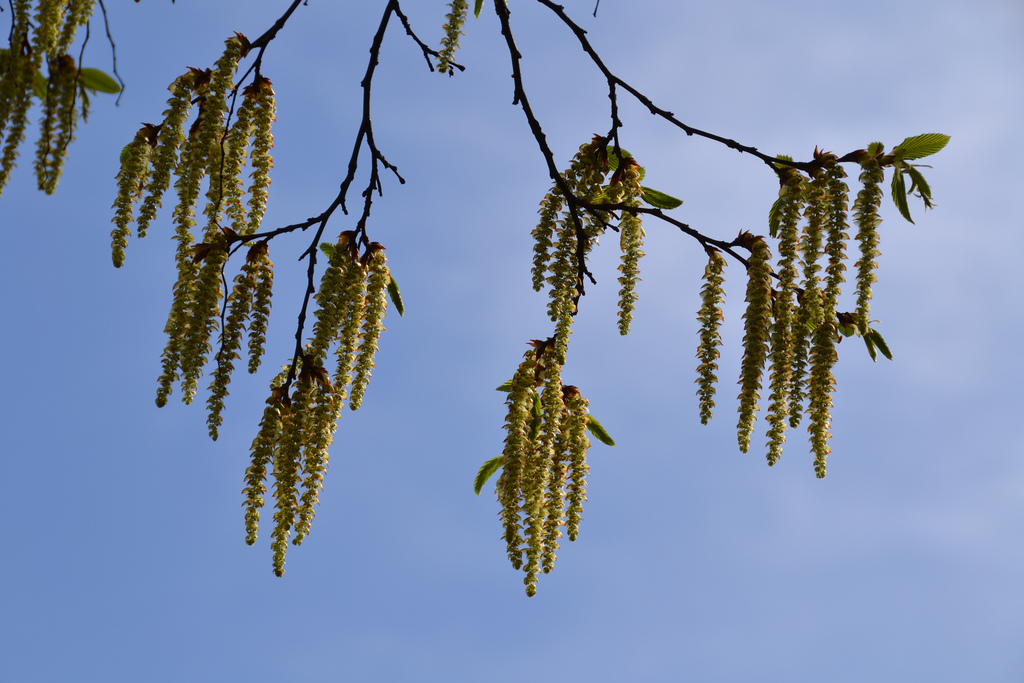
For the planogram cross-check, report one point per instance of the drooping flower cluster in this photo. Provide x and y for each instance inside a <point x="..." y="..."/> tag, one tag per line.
<point x="567" y="232"/>
<point x="792" y="323"/>
<point x="543" y="484"/>
<point x="710" y="316"/>
<point x="214" y="149"/>
<point x="454" y="21"/>
<point x="298" y="427"/>
<point x="39" y="38"/>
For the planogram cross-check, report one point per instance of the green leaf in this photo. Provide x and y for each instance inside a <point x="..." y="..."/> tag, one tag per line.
<point x="489" y="468"/>
<point x="40" y="87"/>
<point x="507" y="386"/>
<point x="97" y="81"/>
<point x="660" y="200"/>
<point x="877" y="340"/>
<point x="871" y="347"/>
<point x="396" y="296"/>
<point x="899" y="194"/>
<point x="613" y="160"/>
<point x="327" y="248"/>
<point x="918" y="183"/>
<point x="920" y="146"/>
<point x="598" y="431"/>
<point x="125" y="152"/>
<point x="477" y="7"/>
<point x="774" y="217"/>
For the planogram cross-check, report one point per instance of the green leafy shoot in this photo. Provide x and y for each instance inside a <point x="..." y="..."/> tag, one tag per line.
<point x="476" y="13"/>
<point x="873" y="339"/>
<point x="325" y="247"/>
<point x="98" y="81"/>
<point x="660" y="200"/>
<point x="127" y="150"/>
<point x="489" y="468"/>
<point x="507" y="386"/>
<point x="396" y="296"/>
<point x="920" y="146"/>
<point x="599" y="432"/>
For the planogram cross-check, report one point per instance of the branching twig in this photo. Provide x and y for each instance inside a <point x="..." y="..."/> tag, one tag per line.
<point x="113" y="52"/>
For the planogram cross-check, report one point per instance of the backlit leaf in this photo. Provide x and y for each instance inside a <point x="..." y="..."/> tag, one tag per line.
<point x="489" y="468"/>
<point x="396" y="296"/>
<point x="920" y="146"/>
<point x="595" y="428"/>
<point x="97" y="81"/>
<point x="660" y="200"/>
<point x="899" y="194"/>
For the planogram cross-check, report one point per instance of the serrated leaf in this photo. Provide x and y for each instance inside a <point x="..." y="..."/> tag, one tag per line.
<point x="920" y="146"/>
<point x="876" y="338"/>
<point x="899" y="194"/>
<point x="507" y="386"/>
<point x="660" y="200"/>
<point x="489" y="468"/>
<point x="98" y="81"/>
<point x="40" y="85"/>
<point x="774" y="217"/>
<point x="538" y="407"/>
<point x="613" y="160"/>
<point x="477" y="7"/>
<point x="595" y="428"/>
<point x="125" y="152"/>
<point x="396" y="296"/>
<point x="327" y="248"/>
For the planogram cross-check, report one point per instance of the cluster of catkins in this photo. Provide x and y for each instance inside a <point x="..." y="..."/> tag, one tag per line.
<point x="791" y="321"/>
<point x="301" y="414"/>
<point x="38" y="38"/>
<point x="213" y="151"/>
<point x="298" y="428"/>
<point x="542" y="485"/>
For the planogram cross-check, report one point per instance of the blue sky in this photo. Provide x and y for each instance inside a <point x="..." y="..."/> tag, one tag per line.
<point x="125" y="557"/>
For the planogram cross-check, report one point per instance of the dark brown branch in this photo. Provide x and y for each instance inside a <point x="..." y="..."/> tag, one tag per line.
<point x="113" y="52"/>
<point x="520" y="98"/>
<point x="613" y="81"/>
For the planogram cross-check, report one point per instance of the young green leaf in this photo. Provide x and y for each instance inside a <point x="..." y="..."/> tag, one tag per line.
<point x="613" y="159"/>
<point x="774" y="216"/>
<point x="877" y="340"/>
<point x="396" y="296"/>
<point x="125" y="152"/>
<point x="507" y="386"/>
<point x="40" y="86"/>
<point x="920" y="146"/>
<point x="920" y="185"/>
<point x="97" y="81"/>
<point x="327" y="248"/>
<point x="598" y="431"/>
<point x="899" y="193"/>
<point x="660" y="200"/>
<point x="871" y="347"/>
<point x="477" y="7"/>
<point x="489" y="468"/>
